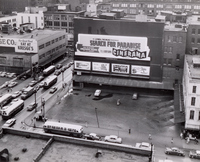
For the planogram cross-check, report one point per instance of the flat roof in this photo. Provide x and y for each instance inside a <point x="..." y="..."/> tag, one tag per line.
<point x="194" y="72"/>
<point x="35" y="34"/>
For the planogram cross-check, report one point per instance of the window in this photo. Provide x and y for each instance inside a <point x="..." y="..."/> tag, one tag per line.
<point x="191" y="114"/>
<point x="47" y="44"/>
<point x="49" y="23"/>
<point x="198" y="31"/>
<point x="56" y="40"/>
<point x="198" y="40"/>
<point x="180" y="39"/>
<point x="170" y="61"/>
<point x="193" y="31"/>
<point x="29" y="19"/>
<point x="52" y="42"/>
<point x="41" y="46"/>
<point x="164" y="61"/>
<point x="56" y="23"/>
<point x="56" y="17"/>
<point x="178" y="56"/>
<point x="64" y="24"/>
<point x="166" y="49"/>
<point x="194" y="89"/>
<point x="168" y="38"/>
<point x="199" y="115"/>
<point x="174" y="38"/>
<point x="18" y="62"/>
<point x="132" y="5"/>
<point x="2" y="60"/>
<point x="193" y="101"/>
<point x="193" y="40"/>
<point x="170" y="49"/>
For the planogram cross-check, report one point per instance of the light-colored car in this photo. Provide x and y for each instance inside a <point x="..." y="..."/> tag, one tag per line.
<point x="97" y="93"/>
<point x="10" y="122"/>
<point x="16" y="94"/>
<point x="12" y="84"/>
<point x="135" y="96"/>
<point x="53" y="89"/>
<point x="113" y="138"/>
<point x="3" y="74"/>
<point x="144" y="145"/>
<point x="32" y="106"/>
<point x="11" y="75"/>
<point x="195" y="154"/>
<point x="32" y="83"/>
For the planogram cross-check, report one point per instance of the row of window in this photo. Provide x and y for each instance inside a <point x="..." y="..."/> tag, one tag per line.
<point x="192" y="113"/>
<point x="59" y="17"/>
<point x="16" y="61"/>
<point x="58" y="23"/>
<point x="51" y="51"/>
<point x="157" y="6"/>
<point x="51" y="42"/>
<point x="194" y="40"/>
<point x="174" y="39"/>
<point x="195" y="31"/>
<point x="62" y="128"/>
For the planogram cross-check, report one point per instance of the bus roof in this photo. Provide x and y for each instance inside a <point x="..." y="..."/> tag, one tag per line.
<point x="28" y="88"/>
<point x="50" y="67"/>
<point x="5" y="97"/>
<point x="50" y="78"/>
<point x="12" y="106"/>
<point x="65" y="125"/>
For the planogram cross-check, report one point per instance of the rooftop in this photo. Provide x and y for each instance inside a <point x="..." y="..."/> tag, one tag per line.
<point x="194" y="72"/>
<point x="35" y="34"/>
<point x="194" y="20"/>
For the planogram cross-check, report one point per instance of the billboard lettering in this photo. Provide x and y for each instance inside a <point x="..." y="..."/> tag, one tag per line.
<point x="111" y="46"/>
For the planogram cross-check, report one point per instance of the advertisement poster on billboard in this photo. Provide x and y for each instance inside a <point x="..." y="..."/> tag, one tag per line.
<point x="99" y="66"/>
<point x="111" y="46"/>
<point x="140" y="70"/>
<point x="82" y="65"/>
<point x="21" y="45"/>
<point x="120" y="68"/>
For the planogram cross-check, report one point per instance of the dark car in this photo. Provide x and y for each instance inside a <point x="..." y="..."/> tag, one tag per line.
<point x="174" y="151"/>
<point x="91" y="136"/>
<point x="53" y="89"/>
<point x="32" y="106"/>
<point x="194" y="154"/>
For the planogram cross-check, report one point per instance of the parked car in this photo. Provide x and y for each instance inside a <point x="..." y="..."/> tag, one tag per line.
<point x="57" y="72"/>
<point x="41" y="84"/>
<point x="3" y="74"/>
<point x="16" y="94"/>
<point x="12" y="84"/>
<point x="58" y="66"/>
<point x="144" y="145"/>
<point x="10" y="122"/>
<point x="32" y="106"/>
<point x="32" y="83"/>
<point x="91" y="136"/>
<point x="113" y="138"/>
<point x="195" y="154"/>
<point x="135" y="96"/>
<point x="97" y="93"/>
<point x="12" y="75"/>
<point x="53" y="89"/>
<point x="174" y="151"/>
<point x="40" y="78"/>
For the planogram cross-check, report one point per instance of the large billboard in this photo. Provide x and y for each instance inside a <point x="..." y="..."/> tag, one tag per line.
<point x="21" y="45"/>
<point x="100" y="66"/>
<point x="110" y="46"/>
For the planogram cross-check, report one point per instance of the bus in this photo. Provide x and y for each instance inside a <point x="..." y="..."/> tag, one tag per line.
<point x="51" y="80"/>
<point x="49" y="70"/>
<point x="5" y="99"/>
<point x="13" y="109"/>
<point x="27" y="93"/>
<point x="63" y="128"/>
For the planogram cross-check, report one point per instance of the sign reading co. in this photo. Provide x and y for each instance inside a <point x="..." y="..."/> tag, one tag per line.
<point x="7" y="42"/>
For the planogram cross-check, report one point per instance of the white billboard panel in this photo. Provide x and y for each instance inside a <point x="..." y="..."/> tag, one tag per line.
<point x="111" y="46"/>
<point x="21" y="45"/>
<point x="99" y="66"/>
<point x="82" y="65"/>
<point x="120" y="68"/>
<point x="140" y="70"/>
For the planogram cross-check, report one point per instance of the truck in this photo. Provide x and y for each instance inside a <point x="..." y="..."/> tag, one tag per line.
<point x="27" y="93"/>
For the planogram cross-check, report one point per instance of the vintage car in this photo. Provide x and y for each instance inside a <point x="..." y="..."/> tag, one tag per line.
<point x="113" y="138"/>
<point x="91" y="136"/>
<point x="174" y="151"/>
<point x="195" y="154"/>
<point x="10" y="122"/>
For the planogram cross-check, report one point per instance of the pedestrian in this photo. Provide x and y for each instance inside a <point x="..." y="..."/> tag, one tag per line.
<point x="150" y="137"/>
<point x="172" y="141"/>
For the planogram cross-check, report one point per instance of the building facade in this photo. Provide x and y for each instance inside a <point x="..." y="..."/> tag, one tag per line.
<point x="18" y="52"/>
<point x="191" y="92"/>
<point x="153" y="7"/>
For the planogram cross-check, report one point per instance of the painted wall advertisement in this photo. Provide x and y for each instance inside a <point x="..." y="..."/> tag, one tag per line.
<point x="82" y="65"/>
<point x="110" y="46"/>
<point x="99" y="66"/>
<point x="21" y="45"/>
<point x="120" y="68"/>
<point x="140" y="70"/>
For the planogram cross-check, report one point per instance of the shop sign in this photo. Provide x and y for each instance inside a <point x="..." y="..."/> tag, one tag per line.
<point x="140" y="70"/>
<point x="120" y="68"/>
<point x="99" y="66"/>
<point x="82" y="65"/>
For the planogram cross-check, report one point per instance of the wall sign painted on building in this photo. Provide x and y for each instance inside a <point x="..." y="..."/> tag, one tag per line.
<point x="21" y="45"/>
<point x="99" y="66"/>
<point x="83" y="65"/>
<point x="111" y="46"/>
<point x="120" y="68"/>
<point x="140" y="70"/>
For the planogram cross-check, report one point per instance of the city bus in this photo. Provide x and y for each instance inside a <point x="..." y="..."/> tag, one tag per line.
<point x="13" y="109"/>
<point x="63" y="128"/>
<point x="5" y="99"/>
<point x="27" y="93"/>
<point x="49" y="70"/>
<point x="51" y="80"/>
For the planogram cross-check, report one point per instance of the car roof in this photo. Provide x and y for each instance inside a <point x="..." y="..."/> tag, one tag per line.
<point x="198" y="151"/>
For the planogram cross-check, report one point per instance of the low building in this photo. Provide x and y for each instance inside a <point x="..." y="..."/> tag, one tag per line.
<point x="20" y="51"/>
<point x="191" y="92"/>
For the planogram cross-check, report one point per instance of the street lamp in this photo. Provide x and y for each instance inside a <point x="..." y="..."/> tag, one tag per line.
<point x="97" y="116"/>
<point x="35" y="91"/>
<point x="43" y="105"/>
